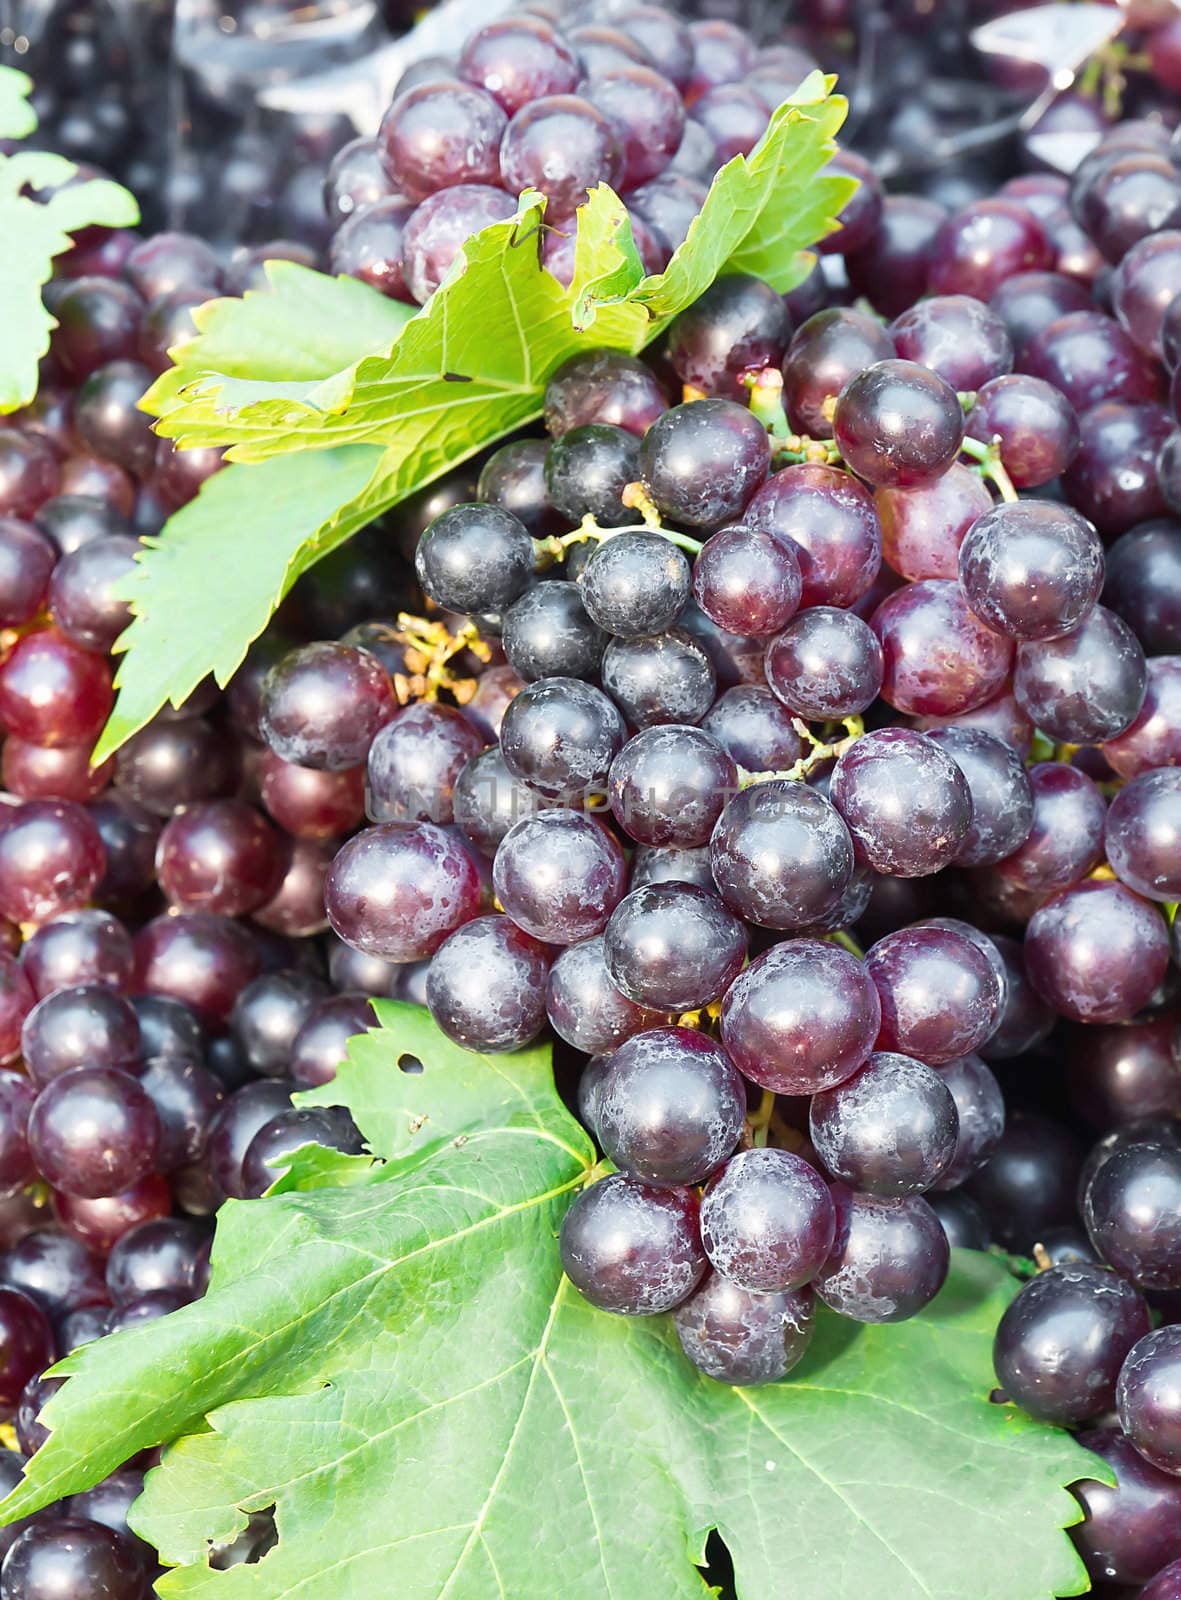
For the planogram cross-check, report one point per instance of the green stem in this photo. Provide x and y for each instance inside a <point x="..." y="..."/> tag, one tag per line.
<point x="967" y="399"/>
<point x="846" y="942"/>
<point x="766" y="401"/>
<point x="548" y="551"/>
<point x="1170" y="912"/>
<point x="820" y="751"/>
<point x="988" y="456"/>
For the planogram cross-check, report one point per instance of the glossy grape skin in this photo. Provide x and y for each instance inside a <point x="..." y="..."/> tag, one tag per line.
<point x="74" y="1556"/>
<point x="801" y="1018"/>
<point x="1065" y="840"/>
<point x="1154" y="738"/>
<point x="51" y="859"/>
<point x="244" y="1113"/>
<point x="1090" y="359"/>
<point x="1029" y="302"/>
<point x="93" y="1132"/>
<point x="513" y="479"/>
<point x="1130" y="197"/>
<point x="1118" y="1076"/>
<point x="323" y="705"/>
<point x="98" y="320"/>
<point x="488" y="799"/>
<point x="1114" y="480"/>
<point x="354" y="180"/>
<point x="604" y="386"/>
<point x="746" y="581"/>
<point x="940" y="997"/>
<point x="1144" y="584"/>
<point x="584" y="1006"/>
<point x="905" y="802"/>
<point x="26" y="1345"/>
<point x="889" y="1130"/>
<point x="518" y="59"/>
<point x="1143" y="834"/>
<point x="647" y="113"/>
<point x="891" y="268"/>
<point x="587" y="470"/>
<point x="1002" y="799"/>
<point x="829" y="519"/>
<point x="781" y="855"/>
<point x="1031" y="570"/>
<point x="28" y="473"/>
<point x="369" y="246"/>
<point x="889" y="1257"/>
<point x="1166" y="1585"/>
<point x="414" y="761"/>
<point x="321" y="1044"/>
<point x="55" y="1271"/>
<point x="1132" y="1530"/>
<point x="57" y="772"/>
<point x="16" y="1100"/>
<point x="938" y="659"/>
<point x="1096" y="951"/>
<point x="1035" y="424"/>
<point x="955" y="336"/>
<point x="923" y="528"/>
<point x="486" y="985"/>
<point x="898" y="425"/>
<point x="1144" y="285"/>
<point x="269" y="1013"/>
<point x="186" y="1096"/>
<point x="27" y="560"/>
<point x="988" y="241"/>
<point x="961" y="1219"/>
<point x="670" y="1107"/>
<point x="1149" y="1398"/>
<point x="767" y="1221"/>
<point x="1061" y="1342"/>
<point x="562" y="145"/>
<point x="754" y="728"/>
<point x="311" y="804"/>
<point x="169" y="764"/>
<point x="980" y="1107"/>
<point x="669" y="203"/>
<point x="559" y="876"/>
<point x="88" y="1025"/>
<point x="398" y="889"/>
<point x="219" y="856"/>
<point x="826" y="664"/>
<point x="107" y="419"/>
<point x="560" y="736"/>
<point x="738" y="326"/>
<point x="438" y="135"/>
<point x="52" y="691"/>
<point x="667" y="677"/>
<point x="662" y="864"/>
<point x="703" y="461"/>
<point x="634" y="584"/>
<point x="735" y="1335"/>
<point x="673" y="947"/>
<point x="441" y="226"/>
<point x="169" y="1253"/>
<point x="17" y="998"/>
<point x="825" y="354"/>
<point x="1085" y="688"/>
<point x="668" y="785"/>
<point x="632" y="1249"/>
<point x="475" y="558"/>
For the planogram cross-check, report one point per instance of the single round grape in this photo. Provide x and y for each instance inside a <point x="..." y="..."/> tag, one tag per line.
<point x="517" y="59"/>
<point x="923" y="528"/>
<point x="754" y="728"/>
<point x="666" y="677"/>
<point x="78" y="947"/>
<point x="475" y="558"/>
<point x="51" y="859"/>
<point x="84" y="1026"/>
<point x="1002" y="799"/>
<point x="487" y="984"/>
<point x="269" y="1013"/>
<point x="961" y="1219"/>
<point x="398" y="889"/>
<point x="891" y="268"/>
<point x="938" y="659"/>
<point x="98" y="320"/>
<point x="562" y="145"/>
<point x="52" y="691"/>
<point x="74" y="1556"/>
<point x="93" y="1132"/>
<point x="980" y="1106"/>
<point x="320" y="1046"/>
<point x="1115" y="478"/>
<point x="1029" y="301"/>
<point x="1061" y="1342"/>
<point x="673" y="947"/>
<point x="559" y="876"/>
<point x="890" y="1129"/>
<point x="1143" y="583"/>
<point x="861" y="215"/>
<point x="323" y="704"/>
<point x="735" y="1335"/>
<point x="29" y="473"/>
<point x="438" y="135"/>
<point x="588" y="469"/>
<point x="198" y="958"/>
<point x="26" y="1345"/>
<point x="27" y="560"/>
<point x="955" y="336"/>
<point x="734" y="119"/>
<point x="1096" y="951"/>
<point x="513" y="478"/>
<point x="107" y="418"/>
<point x="801" y="1018"/>
<point x="1090" y="359"/>
<point x="1130" y="1531"/>
<point x="548" y="634"/>
<point x="1034" y="424"/>
<point x="826" y="664"/>
<point x="889" y="1257"/>
<point x="670" y="1108"/>
<point x="988" y="241"/>
<point x="100" y="1224"/>
<point x="905" y="802"/>
<point x="1144" y="285"/>
<point x="633" y="1249"/>
<point x="1031" y="569"/>
<point x="355" y="179"/>
<point x="308" y="803"/>
<point x="1087" y="687"/>
<point x="647" y="114"/>
<point x="1122" y="1074"/>
<point x="1149" y="1397"/>
<point x="584" y="1006"/>
<point x="663" y="35"/>
<point x="1154" y="738"/>
<point x="747" y="581"/>
<point x="414" y="761"/>
<point x="57" y="772"/>
<point x="603" y="386"/>
<point x="634" y="584"/>
<point x="55" y="1271"/>
<point x="219" y="856"/>
<point x="898" y="424"/>
<point x="488" y="799"/>
<point x="370" y="245"/>
<point x="169" y="1253"/>
<point x="737" y="327"/>
<point x="187" y="1097"/>
<point x="170" y="764"/>
<point x="1028" y="1184"/>
<point x="169" y="261"/>
<point x="722" y="53"/>
<point x="560" y="736"/>
<point x="703" y="461"/>
<point x="1065" y="840"/>
<point x="1143" y="834"/>
<point x="668" y="786"/>
<point x="827" y="352"/>
<point x="244" y="1113"/>
<point x="830" y="522"/>
<point x="442" y="225"/>
<point x="781" y="855"/>
<point x="940" y="996"/>
<point x="767" y="1221"/>
<point x="1132" y="196"/>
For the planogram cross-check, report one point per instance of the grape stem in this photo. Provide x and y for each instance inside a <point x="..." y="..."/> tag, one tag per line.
<point x="1170" y="910"/>
<point x="967" y="399"/>
<point x="430" y="650"/>
<point x="551" y="550"/>
<point x="636" y="498"/>
<point x="821" y="750"/>
<point x="758" y="1123"/>
<point x="787" y="448"/>
<point x="988" y="457"/>
<point x="846" y="942"/>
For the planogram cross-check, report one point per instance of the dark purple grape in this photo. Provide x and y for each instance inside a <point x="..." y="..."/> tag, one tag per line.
<point x="269" y="1013"/>
<point x="632" y="1249"/>
<point x="1130" y="1531"/>
<point x="441" y="226"/>
<point x="747" y="581"/>
<point x="722" y="53"/>
<point x="169" y="261"/>
<point x="475" y="558"/>
<point x="647" y="114"/>
<point x="898" y="424"/>
<point x="1096" y="951"/>
<point x="1030" y="301"/>
<point x="587" y="471"/>
<point x="76" y="1557"/>
<point x="548" y="634"/>
<point x="829" y="520"/>
<point x="16" y="1101"/>
<point x="734" y="119"/>
<point x="1144" y="584"/>
<point x="1031" y="569"/>
<point x="1144" y="285"/>
<point x="670" y="1107"/>
<point x="559" y="876"/>
<point x="29" y="474"/>
<point x="219" y="856"/>
<point x="369" y="245"/>
<point x="988" y="241"/>
<point x="170" y="764"/>
<point x="322" y="706"/>
<point x="861" y="215"/>
<point x="826" y="664"/>
<point x="753" y="728"/>
<point x="703" y="461"/>
<point x="1143" y="834"/>
<point x="662" y="35"/>
<point x="1090" y="359"/>
<point x="1132" y="196"/>
<point x="244" y="1113"/>
<point x="1033" y="423"/>
<point x="737" y="327"/>
<point x="513" y="478"/>
<point x="518" y="59"/>
<point x="923" y="528"/>
<point x="1061" y="1342"/>
<point x="905" y="802"/>
<point x="198" y="958"/>
<point x="890" y="1129"/>
<point x="1065" y="840"/>
<point x="1114" y="478"/>
<point x="26" y="562"/>
<point x="1149" y="1397"/>
<point x="26" y="1345"/>
<point x="51" y="859"/>
<point x="168" y="1254"/>
<point x="601" y="386"/>
<point x="666" y="677"/>
<point x="399" y="889"/>
<point x="109" y="1501"/>
<point x="584" y="1006"/>
<point x="268" y="1154"/>
<point x="355" y="179"/>
<point x="186" y="1096"/>
<point x="93" y="1132"/>
<point x="801" y="1018"/>
<point x="55" y="1270"/>
<point x="1002" y="800"/>
<point x="1119" y="1075"/>
<point x="107" y="418"/>
<point x="891" y="268"/>
<point x="668" y="786"/>
<point x="1087" y="687"/>
<point x="439" y="135"/>
<point x="940" y="997"/>
<point x="781" y="855"/>
<point x="561" y="145"/>
<point x="98" y="320"/>
<point x="980" y="1107"/>
<point x="486" y="986"/>
<point x="52" y="691"/>
<point x="84" y="1026"/>
<point x="100" y="1224"/>
<point x="414" y="761"/>
<point x="1154" y="738"/>
<point x="767" y="1221"/>
<point x="961" y="1219"/>
<point x="1166" y="1585"/>
<point x="78" y="947"/>
<point x="321" y="1044"/>
<point x="488" y="799"/>
<point x="956" y="337"/>
<point x="673" y="947"/>
<point x="654" y="864"/>
<point x="560" y="736"/>
<point x="1028" y="1183"/>
<point x="735" y="1335"/>
<point x="308" y="803"/>
<point x="634" y="584"/>
<point x="831" y="349"/>
<point x="889" y="1257"/>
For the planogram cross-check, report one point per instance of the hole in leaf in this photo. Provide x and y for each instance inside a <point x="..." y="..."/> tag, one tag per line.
<point x="718" y="1570"/>
<point x="250" y="1545"/>
<point x="410" y="1064"/>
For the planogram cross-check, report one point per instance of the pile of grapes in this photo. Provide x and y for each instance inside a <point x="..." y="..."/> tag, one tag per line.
<point x="790" y="732"/>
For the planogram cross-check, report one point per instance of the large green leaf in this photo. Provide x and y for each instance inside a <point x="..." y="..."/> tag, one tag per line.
<point x="33" y="232"/>
<point x="398" y="1367"/>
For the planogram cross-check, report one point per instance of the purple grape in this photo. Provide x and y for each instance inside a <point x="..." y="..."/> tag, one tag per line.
<point x="830" y="350"/>
<point x="980" y="1106"/>
<point x="938" y="659"/>
<point x="76" y="948"/>
<point x="1114" y="479"/>
<point x="1030" y="301"/>
<point x="829" y="520"/>
<point x="1087" y="687"/>
<point x="93" y="1132"/>
<point x="632" y="1249"/>
<point x="1119" y="1075"/>
<point x="940" y="995"/>
<point x="323" y="704"/>
<point x="635" y="584"/>
<point x="923" y="528"/>
<point x="85" y="1026"/>
<point x="1065" y="840"/>
<point x="781" y="855"/>
<point x="702" y="462"/>
<point x="1035" y="425"/>
<point x="889" y="1130"/>
<point x="74" y="1556"/>
<point x="668" y="786"/>
<point x="1132" y="1530"/>
<point x="891" y="268"/>
<point x="1154" y="738"/>
<point x="735" y="1335"/>
<point x="861" y="215"/>
<point x="415" y="760"/>
<point x="905" y="802"/>
<point x="737" y="327"/>
<point x="1090" y="359"/>
<point x="1002" y="800"/>
<point x="561" y="145"/>
<point x="988" y="241"/>
<point x="898" y="424"/>
<point x="441" y="226"/>
<point x="889" y="1258"/>
<point x="1149" y="1397"/>
<point x="604" y="386"/>
<point x="667" y="677"/>
<point x="584" y="1006"/>
<point x="320" y="1046"/>
<point x="648" y="115"/>
<point x="518" y="59"/>
<point x="198" y="958"/>
<point x="355" y="179"/>
<point x="673" y="947"/>
<point x="1031" y="569"/>
<point x="559" y="876"/>
<point x="826" y="664"/>
<point x="219" y="856"/>
<point x="369" y="245"/>
<point x="767" y="1221"/>
<point x="439" y="135"/>
<point x="475" y="558"/>
<point x="958" y="338"/>
<point x="753" y="728"/>
<point x="560" y="736"/>
<point x="1145" y="284"/>
<point x="1143" y="834"/>
<point x="1096" y="951"/>
<point x="399" y="889"/>
<point x="1144" y="584"/>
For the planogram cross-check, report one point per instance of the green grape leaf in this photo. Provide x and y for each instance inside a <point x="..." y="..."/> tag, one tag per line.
<point x="399" y="1369"/>
<point x="34" y="231"/>
<point x="17" y="117"/>
<point x="207" y="584"/>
